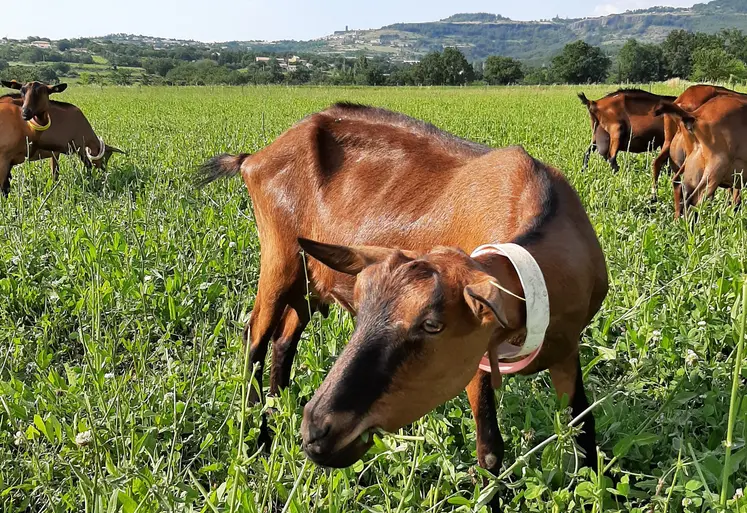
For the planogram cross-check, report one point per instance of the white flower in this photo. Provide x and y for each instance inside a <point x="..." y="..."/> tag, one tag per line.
<point x="232" y="244"/>
<point x="738" y="494"/>
<point x="701" y="323"/>
<point x="686" y="501"/>
<point x="109" y="375"/>
<point x="528" y="435"/>
<point x="19" y="438"/>
<point x="634" y="361"/>
<point x="691" y="357"/>
<point x="84" y="438"/>
<point x="168" y="396"/>
<point x="656" y="333"/>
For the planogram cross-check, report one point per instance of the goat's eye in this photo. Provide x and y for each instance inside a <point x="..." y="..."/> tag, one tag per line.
<point x="432" y="327"/>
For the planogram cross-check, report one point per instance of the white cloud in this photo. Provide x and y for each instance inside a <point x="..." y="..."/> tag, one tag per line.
<point x="605" y="9"/>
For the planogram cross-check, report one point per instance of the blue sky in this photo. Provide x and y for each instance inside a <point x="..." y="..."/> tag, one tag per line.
<point x="224" y="20"/>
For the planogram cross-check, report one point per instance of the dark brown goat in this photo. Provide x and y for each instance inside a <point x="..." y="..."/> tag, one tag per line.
<point x="354" y="175"/>
<point x="624" y="121"/>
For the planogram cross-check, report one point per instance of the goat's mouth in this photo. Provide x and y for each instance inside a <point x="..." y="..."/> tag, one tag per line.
<point x="342" y="454"/>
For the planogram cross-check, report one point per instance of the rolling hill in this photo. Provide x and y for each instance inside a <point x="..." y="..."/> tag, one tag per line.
<point x="481" y="34"/>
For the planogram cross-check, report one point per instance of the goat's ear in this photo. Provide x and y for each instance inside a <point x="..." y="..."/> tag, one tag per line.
<point x="12" y="84"/>
<point x="345" y="259"/>
<point x="57" y="88"/>
<point x="484" y="299"/>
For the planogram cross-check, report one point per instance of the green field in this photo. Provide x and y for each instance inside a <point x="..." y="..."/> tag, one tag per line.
<point x="124" y="295"/>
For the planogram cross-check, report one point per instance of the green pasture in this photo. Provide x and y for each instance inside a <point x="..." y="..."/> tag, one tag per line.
<point x="123" y="296"/>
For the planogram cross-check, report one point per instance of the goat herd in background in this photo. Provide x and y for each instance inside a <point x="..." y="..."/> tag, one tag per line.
<point x="33" y="127"/>
<point x="701" y="133"/>
<point x="385" y="206"/>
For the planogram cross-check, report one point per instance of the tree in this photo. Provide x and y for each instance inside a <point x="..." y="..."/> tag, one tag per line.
<point x="502" y="70"/>
<point x="457" y="71"/>
<point x="360" y="70"/>
<point x="20" y="73"/>
<point x="366" y="72"/>
<point x="640" y="62"/>
<point x="677" y="51"/>
<point x="580" y="63"/>
<point x="274" y="73"/>
<point x="431" y="70"/>
<point x="62" y="68"/>
<point x="735" y="43"/>
<point x="158" y="66"/>
<point x="63" y="44"/>
<point x="715" y="64"/>
<point x="48" y="75"/>
<point x="121" y="77"/>
<point x="538" y="76"/>
<point x="31" y="55"/>
<point x="299" y="76"/>
<point x="402" y="75"/>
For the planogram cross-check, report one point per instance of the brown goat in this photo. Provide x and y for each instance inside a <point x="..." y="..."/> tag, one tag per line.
<point x="70" y="133"/>
<point x="624" y="121"/>
<point x="353" y="175"/>
<point x="23" y="123"/>
<point x="715" y="132"/>
<point x="692" y="98"/>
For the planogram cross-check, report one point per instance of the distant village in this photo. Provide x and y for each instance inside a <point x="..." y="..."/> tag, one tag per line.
<point x="340" y="42"/>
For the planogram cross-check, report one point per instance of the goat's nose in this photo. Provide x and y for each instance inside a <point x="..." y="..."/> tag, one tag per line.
<point x="26" y="113"/>
<point x="315" y="430"/>
<point x="316" y="433"/>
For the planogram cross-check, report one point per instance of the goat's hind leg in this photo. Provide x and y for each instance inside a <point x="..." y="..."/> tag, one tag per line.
<point x="567" y="378"/>
<point x="5" y="166"/>
<point x="658" y="164"/>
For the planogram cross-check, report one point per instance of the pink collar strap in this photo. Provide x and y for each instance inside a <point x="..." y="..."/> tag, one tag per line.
<point x="537" y="305"/>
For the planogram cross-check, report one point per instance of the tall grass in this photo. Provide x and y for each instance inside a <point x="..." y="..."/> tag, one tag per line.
<point x="122" y="377"/>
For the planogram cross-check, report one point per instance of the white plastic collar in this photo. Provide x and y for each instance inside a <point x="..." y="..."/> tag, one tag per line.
<point x="535" y="295"/>
<point x="102" y="149"/>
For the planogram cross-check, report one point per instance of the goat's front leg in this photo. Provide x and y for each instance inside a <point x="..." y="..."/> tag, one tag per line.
<point x="490" y="447"/>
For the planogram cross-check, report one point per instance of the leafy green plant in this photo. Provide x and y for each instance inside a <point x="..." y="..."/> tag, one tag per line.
<point x="122" y="372"/>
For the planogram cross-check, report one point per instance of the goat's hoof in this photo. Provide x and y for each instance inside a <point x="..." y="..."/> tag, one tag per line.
<point x="265" y="439"/>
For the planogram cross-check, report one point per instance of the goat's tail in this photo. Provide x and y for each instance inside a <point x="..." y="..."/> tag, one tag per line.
<point x="675" y="110"/>
<point x="220" y="166"/>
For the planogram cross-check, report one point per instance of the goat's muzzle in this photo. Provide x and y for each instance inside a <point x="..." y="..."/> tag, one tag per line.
<point x="331" y="440"/>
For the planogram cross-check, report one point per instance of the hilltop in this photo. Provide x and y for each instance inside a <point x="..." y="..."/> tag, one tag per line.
<point x="478" y="35"/>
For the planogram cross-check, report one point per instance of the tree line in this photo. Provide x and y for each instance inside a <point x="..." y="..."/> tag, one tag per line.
<point x="683" y="54"/>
